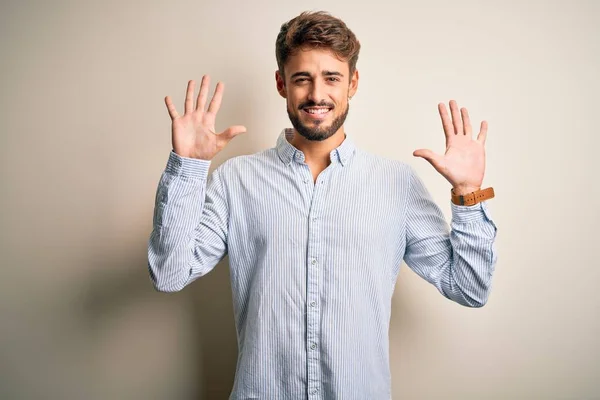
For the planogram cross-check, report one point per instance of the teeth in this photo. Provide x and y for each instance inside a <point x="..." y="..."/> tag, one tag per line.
<point x="317" y="110"/>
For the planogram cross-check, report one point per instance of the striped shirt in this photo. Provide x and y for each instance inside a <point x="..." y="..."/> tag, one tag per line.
<point x="313" y="265"/>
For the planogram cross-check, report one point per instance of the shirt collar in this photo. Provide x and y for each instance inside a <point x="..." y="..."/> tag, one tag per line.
<point x="287" y="152"/>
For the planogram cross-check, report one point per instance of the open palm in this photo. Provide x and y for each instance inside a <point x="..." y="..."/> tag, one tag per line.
<point x="193" y="134"/>
<point x="463" y="163"/>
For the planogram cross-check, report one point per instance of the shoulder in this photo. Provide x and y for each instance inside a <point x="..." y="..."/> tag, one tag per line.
<point x="247" y="165"/>
<point x="384" y="165"/>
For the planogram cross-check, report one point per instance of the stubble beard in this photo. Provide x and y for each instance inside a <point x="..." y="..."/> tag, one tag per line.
<point x="317" y="133"/>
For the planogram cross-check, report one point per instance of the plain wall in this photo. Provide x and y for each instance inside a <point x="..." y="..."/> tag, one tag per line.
<point x="85" y="136"/>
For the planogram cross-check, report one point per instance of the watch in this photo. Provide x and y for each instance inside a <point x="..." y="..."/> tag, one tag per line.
<point x="472" y="198"/>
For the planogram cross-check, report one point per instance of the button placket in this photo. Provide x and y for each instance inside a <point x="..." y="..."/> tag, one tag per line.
<point x="313" y="287"/>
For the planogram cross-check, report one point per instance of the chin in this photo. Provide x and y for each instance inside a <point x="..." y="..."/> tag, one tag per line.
<point x="316" y="133"/>
<point x="316" y="130"/>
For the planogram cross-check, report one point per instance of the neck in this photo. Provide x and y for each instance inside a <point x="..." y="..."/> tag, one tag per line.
<point x="316" y="152"/>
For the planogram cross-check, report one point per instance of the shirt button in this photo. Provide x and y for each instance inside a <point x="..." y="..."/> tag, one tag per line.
<point x="314" y="261"/>
<point x="314" y="391"/>
<point x="313" y="346"/>
<point x="314" y="219"/>
<point x="312" y="303"/>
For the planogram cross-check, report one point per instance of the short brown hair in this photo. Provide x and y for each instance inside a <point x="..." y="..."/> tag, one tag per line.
<point x="314" y="29"/>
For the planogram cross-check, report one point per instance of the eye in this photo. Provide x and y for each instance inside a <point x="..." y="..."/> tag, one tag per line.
<point x="333" y="79"/>
<point x="301" y="80"/>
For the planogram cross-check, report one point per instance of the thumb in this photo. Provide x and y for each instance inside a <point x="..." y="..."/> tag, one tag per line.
<point x="231" y="132"/>
<point x="434" y="159"/>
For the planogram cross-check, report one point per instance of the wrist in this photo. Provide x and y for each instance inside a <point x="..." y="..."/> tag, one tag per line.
<point x="463" y="190"/>
<point x="472" y="197"/>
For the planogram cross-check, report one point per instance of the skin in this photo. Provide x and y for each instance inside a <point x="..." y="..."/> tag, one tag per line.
<point x="193" y="134"/>
<point x="463" y="163"/>
<point x="315" y="77"/>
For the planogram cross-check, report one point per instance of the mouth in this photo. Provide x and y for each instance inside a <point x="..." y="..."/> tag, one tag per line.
<point x="317" y="112"/>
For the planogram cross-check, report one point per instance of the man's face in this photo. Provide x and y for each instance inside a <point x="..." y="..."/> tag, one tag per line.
<point x="317" y="87"/>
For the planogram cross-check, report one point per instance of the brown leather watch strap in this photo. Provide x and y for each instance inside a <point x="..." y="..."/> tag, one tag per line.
<point x="472" y="198"/>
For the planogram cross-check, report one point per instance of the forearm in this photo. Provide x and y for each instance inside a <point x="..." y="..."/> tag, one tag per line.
<point x="178" y="209"/>
<point x="467" y="276"/>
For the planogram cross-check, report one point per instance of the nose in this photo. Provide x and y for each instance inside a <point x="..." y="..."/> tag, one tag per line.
<point x="316" y="91"/>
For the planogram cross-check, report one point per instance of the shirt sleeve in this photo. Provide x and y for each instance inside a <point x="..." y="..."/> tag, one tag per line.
<point x="459" y="261"/>
<point x="189" y="233"/>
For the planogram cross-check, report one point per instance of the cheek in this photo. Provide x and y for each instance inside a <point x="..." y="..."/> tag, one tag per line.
<point x="340" y="105"/>
<point x="339" y="98"/>
<point x="291" y="105"/>
<point x="293" y="102"/>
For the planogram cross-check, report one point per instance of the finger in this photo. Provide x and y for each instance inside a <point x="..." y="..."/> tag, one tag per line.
<point x="483" y="132"/>
<point x="203" y="93"/>
<point x="189" y="97"/>
<point x="171" y="108"/>
<point x="466" y="122"/>
<point x="456" y="120"/>
<point x="215" y="103"/>
<point x="433" y="158"/>
<point x="230" y="133"/>
<point x="446" y="122"/>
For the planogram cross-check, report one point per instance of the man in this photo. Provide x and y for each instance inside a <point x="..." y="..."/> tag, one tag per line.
<point x="315" y="228"/>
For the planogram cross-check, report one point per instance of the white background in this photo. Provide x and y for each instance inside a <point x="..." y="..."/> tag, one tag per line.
<point x="85" y="136"/>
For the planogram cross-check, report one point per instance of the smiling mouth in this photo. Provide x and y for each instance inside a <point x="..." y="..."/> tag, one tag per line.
<point x="317" y="112"/>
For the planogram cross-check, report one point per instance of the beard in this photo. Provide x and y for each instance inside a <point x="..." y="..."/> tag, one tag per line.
<point x="317" y="133"/>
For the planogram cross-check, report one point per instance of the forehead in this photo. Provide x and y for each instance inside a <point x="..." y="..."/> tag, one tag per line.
<point x="315" y="61"/>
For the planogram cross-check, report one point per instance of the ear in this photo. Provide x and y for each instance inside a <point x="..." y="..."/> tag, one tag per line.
<point x="280" y="81"/>
<point x="353" y="84"/>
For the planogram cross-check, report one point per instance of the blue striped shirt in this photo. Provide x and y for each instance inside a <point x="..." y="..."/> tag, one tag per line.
<point x="314" y="264"/>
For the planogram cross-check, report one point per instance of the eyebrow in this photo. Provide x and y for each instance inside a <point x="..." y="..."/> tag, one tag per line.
<point x="324" y="73"/>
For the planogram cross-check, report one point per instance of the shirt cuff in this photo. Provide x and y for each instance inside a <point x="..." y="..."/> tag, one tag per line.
<point x="475" y="213"/>
<point x="187" y="167"/>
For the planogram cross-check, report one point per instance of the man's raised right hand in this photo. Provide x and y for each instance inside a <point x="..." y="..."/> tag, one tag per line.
<point x="193" y="134"/>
